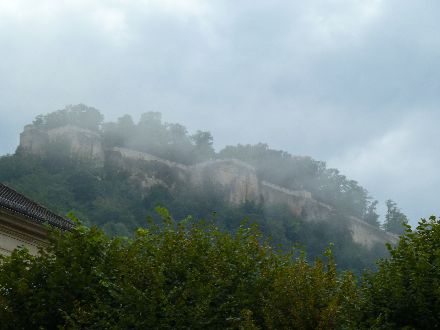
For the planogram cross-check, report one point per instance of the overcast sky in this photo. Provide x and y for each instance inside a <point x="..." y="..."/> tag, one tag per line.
<point x="355" y="83"/>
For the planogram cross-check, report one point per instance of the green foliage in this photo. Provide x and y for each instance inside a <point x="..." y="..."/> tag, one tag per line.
<point x="395" y="220"/>
<point x="172" y="142"/>
<point x="120" y="194"/>
<point x="77" y="115"/>
<point x="371" y="215"/>
<point x="405" y="291"/>
<point x="114" y="200"/>
<point x="179" y="276"/>
<point x="203" y="148"/>
<point x="98" y="195"/>
<point x="151" y="135"/>
<point x="304" y="173"/>
<point x="194" y="275"/>
<point x="185" y="274"/>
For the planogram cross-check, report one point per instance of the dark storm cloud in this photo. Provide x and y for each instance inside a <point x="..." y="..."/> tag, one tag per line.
<point x="351" y="82"/>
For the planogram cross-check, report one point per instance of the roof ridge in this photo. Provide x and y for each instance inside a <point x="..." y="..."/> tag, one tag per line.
<point x="17" y="202"/>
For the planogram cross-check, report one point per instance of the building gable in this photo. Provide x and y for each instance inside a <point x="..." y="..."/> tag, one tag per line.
<point x="22" y="222"/>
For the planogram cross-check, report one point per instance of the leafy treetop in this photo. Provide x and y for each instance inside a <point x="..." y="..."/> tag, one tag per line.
<point x="405" y="292"/>
<point x="77" y="115"/>
<point x="186" y="276"/>
<point x="395" y="220"/>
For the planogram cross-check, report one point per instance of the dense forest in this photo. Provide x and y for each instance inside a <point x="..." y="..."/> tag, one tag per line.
<point x="108" y="196"/>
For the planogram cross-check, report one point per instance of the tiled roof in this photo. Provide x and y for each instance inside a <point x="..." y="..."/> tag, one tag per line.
<point x="16" y="202"/>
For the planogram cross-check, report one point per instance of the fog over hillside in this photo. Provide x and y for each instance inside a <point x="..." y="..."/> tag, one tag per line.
<point x="352" y="83"/>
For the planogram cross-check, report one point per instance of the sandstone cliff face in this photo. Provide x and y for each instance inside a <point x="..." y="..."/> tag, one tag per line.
<point x="146" y="169"/>
<point x="242" y="184"/>
<point x="33" y="140"/>
<point x="367" y="235"/>
<point x="143" y="156"/>
<point x="295" y="200"/>
<point x="82" y="143"/>
<point x="238" y="179"/>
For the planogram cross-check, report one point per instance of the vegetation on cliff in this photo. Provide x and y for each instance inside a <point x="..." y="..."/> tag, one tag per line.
<point x="173" y="142"/>
<point x="116" y="200"/>
<point x="110" y="198"/>
<point x="76" y="115"/>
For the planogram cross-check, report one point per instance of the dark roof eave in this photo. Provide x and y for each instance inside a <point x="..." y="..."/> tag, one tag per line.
<point x="17" y="203"/>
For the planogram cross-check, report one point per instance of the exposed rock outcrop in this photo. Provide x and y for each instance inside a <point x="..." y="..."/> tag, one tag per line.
<point x="241" y="183"/>
<point x="33" y="140"/>
<point x="239" y="179"/>
<point x="81" y="142"/>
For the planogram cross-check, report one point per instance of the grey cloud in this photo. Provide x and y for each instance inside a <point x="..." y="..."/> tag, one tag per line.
<point x="313" y="77"/>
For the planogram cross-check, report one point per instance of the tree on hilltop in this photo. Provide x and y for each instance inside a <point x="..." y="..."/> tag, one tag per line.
<point x="395" y="220"/>
<point x="203" y="145"/>
<point x="371" y="215"/>
<point x="78" y="115"/>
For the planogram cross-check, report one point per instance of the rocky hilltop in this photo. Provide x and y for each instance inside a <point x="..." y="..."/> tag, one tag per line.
<point x="79" y="141"/>
<point x="237" y="178"/>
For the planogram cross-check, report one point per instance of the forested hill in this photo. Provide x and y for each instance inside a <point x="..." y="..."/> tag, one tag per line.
<point x="66" y="161"/>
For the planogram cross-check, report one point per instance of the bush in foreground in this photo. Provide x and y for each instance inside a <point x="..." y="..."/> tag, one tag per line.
<point x="189" y="275"/>
<point x="405" y="291"/>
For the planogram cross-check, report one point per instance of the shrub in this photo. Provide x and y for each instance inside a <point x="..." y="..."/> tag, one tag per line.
<point x="405" y="291"/>
<point x="187" y="275"/>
